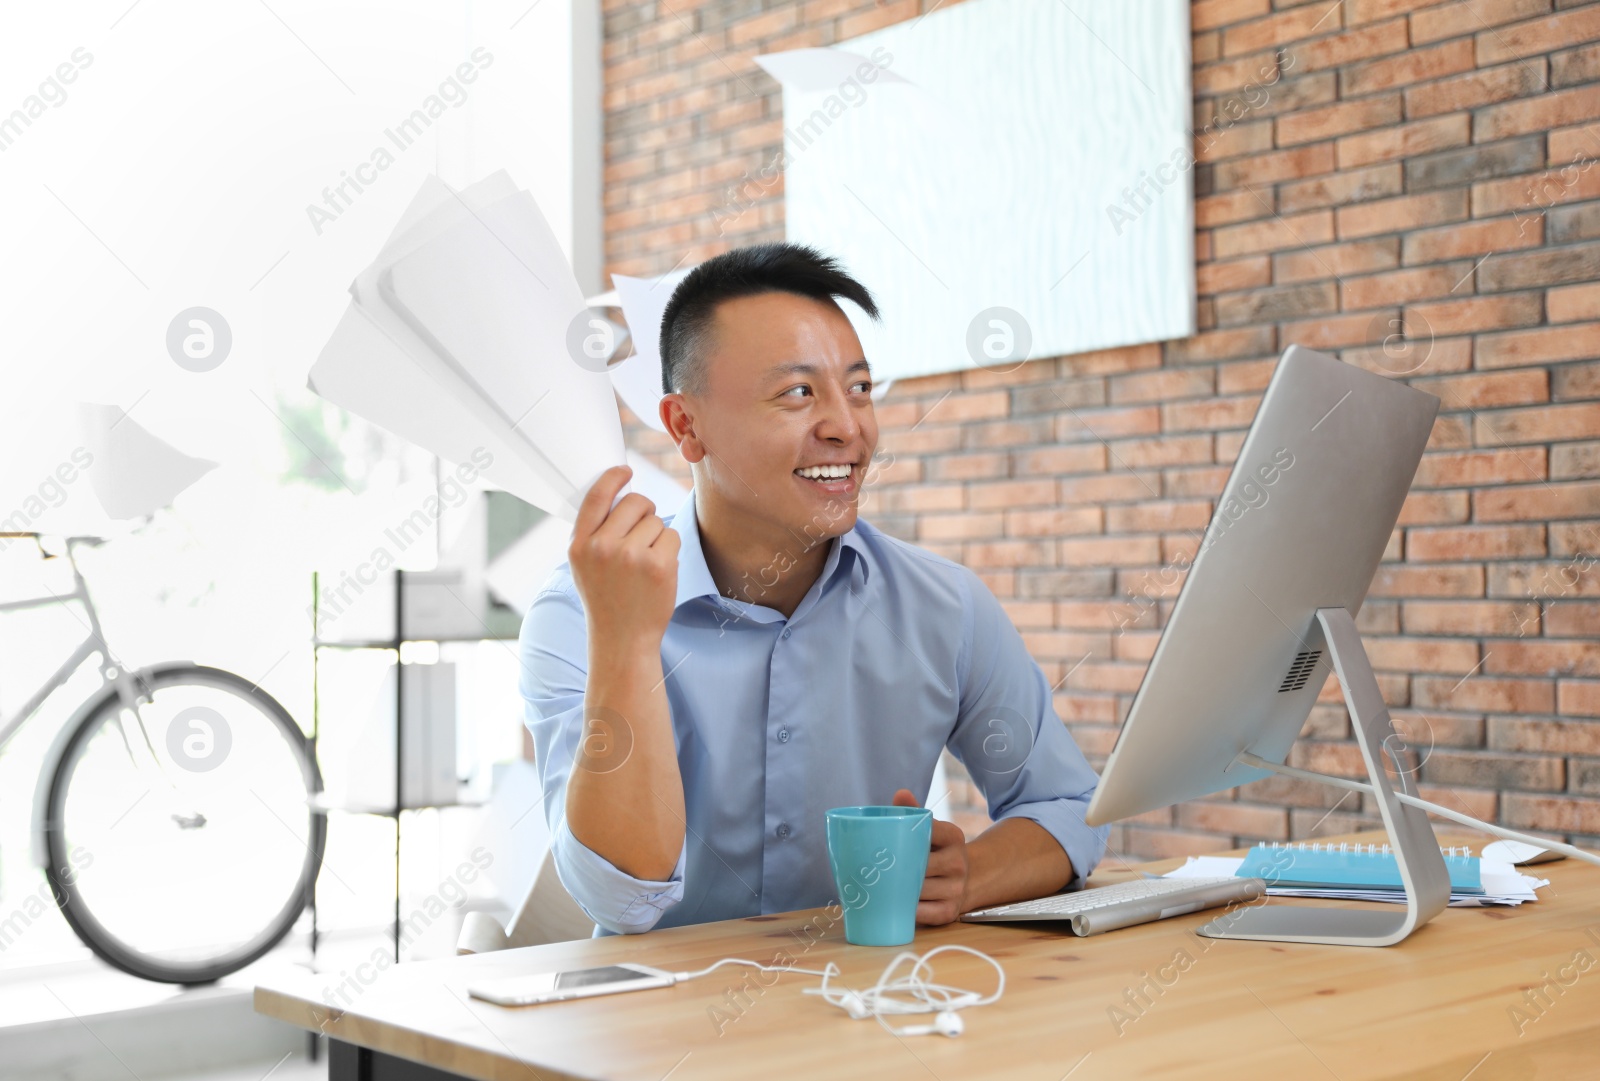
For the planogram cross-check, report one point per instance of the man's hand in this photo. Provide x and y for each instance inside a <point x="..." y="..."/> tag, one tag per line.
<point x="625" y="791"/>
<point x="944" y="887"/>
<point x="625" y="564"/>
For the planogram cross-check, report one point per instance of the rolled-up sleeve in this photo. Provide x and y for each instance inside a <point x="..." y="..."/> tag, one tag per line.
<point x="1009" y="737"/>
<point x="553" y="648"/>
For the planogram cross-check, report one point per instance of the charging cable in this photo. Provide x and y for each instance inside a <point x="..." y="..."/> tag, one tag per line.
<point x="893" y="994"/>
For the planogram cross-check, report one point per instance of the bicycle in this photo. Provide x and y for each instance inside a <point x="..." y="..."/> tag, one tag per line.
<point x="184" y="857"/>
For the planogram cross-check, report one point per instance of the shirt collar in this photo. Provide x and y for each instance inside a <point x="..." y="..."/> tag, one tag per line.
<point x="694" y="577"/>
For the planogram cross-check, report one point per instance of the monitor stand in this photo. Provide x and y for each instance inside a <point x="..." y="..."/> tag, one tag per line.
<point x="1422" y="869"/>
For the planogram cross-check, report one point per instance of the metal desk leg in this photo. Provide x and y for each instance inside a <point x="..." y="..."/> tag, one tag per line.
<point x="347" y="1062"/>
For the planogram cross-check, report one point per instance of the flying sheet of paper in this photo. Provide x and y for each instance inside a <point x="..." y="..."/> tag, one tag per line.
<point x="820" y="70"/>
<point x="500" y="317"/>
<point x="457" y="339"/>
<point x="134" y="474"/>
<point x="638" y="378"/>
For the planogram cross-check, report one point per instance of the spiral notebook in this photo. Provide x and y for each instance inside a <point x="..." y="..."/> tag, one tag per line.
<point x="1354" y="867"/>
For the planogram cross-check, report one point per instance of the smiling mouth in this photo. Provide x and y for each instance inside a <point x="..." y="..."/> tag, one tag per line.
<point x="835" y="477"/>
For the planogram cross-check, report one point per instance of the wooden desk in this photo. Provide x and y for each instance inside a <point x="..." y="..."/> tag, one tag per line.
<point x="1452" y="1000"/>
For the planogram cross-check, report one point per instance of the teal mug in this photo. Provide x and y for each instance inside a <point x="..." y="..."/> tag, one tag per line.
<point x="879" y="857"/>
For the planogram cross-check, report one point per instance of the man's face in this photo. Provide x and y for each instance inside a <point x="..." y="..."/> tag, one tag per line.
<point x="785" y="415"/>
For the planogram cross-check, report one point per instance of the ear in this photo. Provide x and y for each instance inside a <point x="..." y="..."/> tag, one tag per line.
<point x="679" y="423"/>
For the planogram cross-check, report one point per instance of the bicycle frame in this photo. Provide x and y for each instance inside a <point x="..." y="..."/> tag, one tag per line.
<point x="111" y="673"/>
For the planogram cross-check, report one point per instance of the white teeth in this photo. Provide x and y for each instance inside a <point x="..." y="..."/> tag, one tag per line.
<point x="824" y="472"/>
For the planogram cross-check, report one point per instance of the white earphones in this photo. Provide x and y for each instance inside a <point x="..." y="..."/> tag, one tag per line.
<point x="947" y="1023"/>
<point x="920" y="994"/>
<point x="879" y="1000"/>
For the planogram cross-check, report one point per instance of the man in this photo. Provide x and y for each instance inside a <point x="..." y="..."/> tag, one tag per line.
<point x="702" y="689"/>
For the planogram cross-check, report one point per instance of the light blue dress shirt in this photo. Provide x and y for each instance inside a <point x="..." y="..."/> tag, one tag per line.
<point x="893" y="654"/>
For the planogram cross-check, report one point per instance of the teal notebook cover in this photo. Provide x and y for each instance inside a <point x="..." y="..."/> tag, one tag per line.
<point x="1348" y="866"/>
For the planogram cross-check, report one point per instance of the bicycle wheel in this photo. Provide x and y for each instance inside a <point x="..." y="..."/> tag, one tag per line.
<point x="184" y="846"/>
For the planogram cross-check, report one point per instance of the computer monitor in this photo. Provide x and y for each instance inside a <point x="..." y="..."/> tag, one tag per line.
<point x="1267" y="608"/>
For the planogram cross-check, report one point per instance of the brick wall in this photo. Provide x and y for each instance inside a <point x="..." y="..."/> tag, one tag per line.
<point x="1388" y="180"/>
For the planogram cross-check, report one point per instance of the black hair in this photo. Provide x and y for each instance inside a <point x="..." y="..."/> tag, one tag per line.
<point x="742" y="272"/>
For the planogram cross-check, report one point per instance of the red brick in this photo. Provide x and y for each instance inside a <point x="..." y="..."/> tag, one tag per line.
<point x="1344" y="118"/>
<point x="1231" y="206"/>
<point x="1110" y="551"/>
<point x="1336" y="260"/>
<point x="1076" y="458"/>
<point x="1404" y="141"/>
<point x="1384" y="290"/>
<point x="1488" y="390"/>
<point x="1471" y="618"/>
<point x="1274" y="234"/>
<point x="1422" y="654"/>
<point x="1474" y="314"/>
<point x="1008" y="553"/>
<point x="1480" y="694"/>
<point x="1481" y="467"/>
<point x="1569" y="737"/>
<point x="1235" y="819"/>
<point x="1538" y="502"/>
<point x="1570" y="303"/>
<point x="1434" y="508"/>
<point x="1533" y="656"/>
<point x="1468" y="17"/>
<point x="918" y="498"/>
<point x="1476" y="88"/>
<point x="1573" y="619"/>
<point x="1103" y="424"/>
<point x="1212" y="278"/>
<point x="1443" y="580"/>
<point x="1130" y="358"/>
<point x="1157" y="516"/>
<point x="1566" y="815"/>
<point x="1244" y="376"/>
<point x="1109" y="488"/>
<point x="1103" y="615"/>
<point x="1471" y="238"/>
<point x="1054" y="522"/>
<point x="1412" y="66"/>
<point x="1210" y="14"/>
<point x="1405" y="212"/>
<point x="1164" y="385"/>
<point x="1222" y="344"/>
<point x="1266" y="168"/>
<point x="1003" y="494"/>
<point x="1209" y="415"/>
<point x="1545" y="345"/>
<point x="1538" y="35"/>
<point x="1292" y="25"/>
<point x="1339" y="189"/>
<point x="1552" y="110"/>
<point x="1173" y="450"/>
<point x="1357" y="12"/>
<point x="1574" y="145"/>
<point x="1576" y="381"/>
<point x="1335" y="332"/>
<point x="1580" y="698"/>
<point x="1474" y="542"/>
<point x="948" y="527"/>
<point x="1532" y="194"/>
<point x="1580" y="420"/>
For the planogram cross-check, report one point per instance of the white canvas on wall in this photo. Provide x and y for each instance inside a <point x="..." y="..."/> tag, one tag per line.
<point x="1035" y="159"/>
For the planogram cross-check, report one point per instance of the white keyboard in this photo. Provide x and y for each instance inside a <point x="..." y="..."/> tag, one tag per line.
<point x="1143" y="900"/>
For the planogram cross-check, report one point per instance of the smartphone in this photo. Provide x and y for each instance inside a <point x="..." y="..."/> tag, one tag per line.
<point x="578" y="983"/>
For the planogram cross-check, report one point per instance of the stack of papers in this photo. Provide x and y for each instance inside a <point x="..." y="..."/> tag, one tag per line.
<point x="468" y="335"/>
<point x="1503" y="884"/>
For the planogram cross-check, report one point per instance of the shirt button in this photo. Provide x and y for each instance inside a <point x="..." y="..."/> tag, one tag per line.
<point x="787" y="632"/>
<point x="783" y="735"/>
<point x="783" y="829"/>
